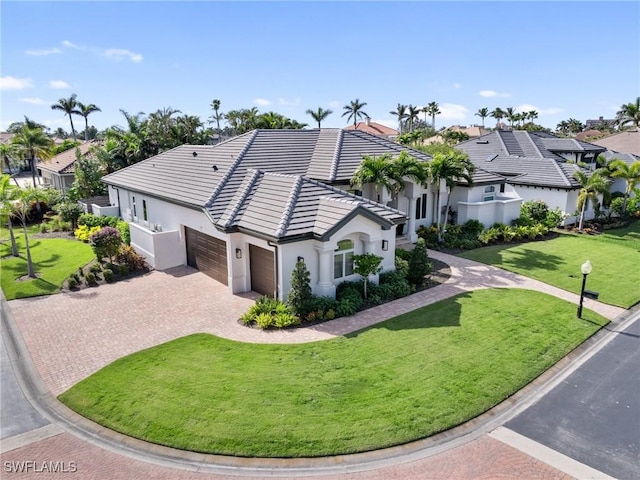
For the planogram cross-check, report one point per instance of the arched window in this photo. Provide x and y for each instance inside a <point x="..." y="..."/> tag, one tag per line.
<point x="343" y="259"/>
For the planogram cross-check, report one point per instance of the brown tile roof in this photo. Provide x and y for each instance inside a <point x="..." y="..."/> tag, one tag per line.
<point x="63" y="162"/>
<point x="373" y="128"/>
<point x="623" y="142"/>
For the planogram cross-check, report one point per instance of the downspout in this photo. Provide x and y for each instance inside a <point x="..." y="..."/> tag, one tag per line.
<point x="275" y="266"/>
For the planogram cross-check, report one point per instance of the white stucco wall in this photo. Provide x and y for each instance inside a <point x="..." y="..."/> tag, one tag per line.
<point x="494" y="211"/>
<point x="566" y="200"/>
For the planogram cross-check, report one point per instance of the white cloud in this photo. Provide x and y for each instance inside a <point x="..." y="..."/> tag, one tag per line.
<point x="34" y="101"/>
<point x="289" y="103"/>
<point x="58" y="84"/>
<point x="68" y="44"/>
<point x="50" y="51"/>
<point x="13" y="83"/>
<point x="527" y="107"/>
<point x="457" y="86"/>
<point x="492" y="93"/>
<point x="451" y="111"/>
<point x="263" y="102"/>
<point x="121" y="53"/>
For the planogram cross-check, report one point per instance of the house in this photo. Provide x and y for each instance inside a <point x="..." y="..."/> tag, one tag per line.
<point x="536" y="165"/>
<point x="600" y="122"/>
<point x="375" y="128"/>
<point x="246" y="210"/>
<point x="58" y="172"/>
<point x="627" y="141"/>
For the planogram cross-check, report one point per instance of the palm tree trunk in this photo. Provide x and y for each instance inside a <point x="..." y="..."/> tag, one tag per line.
<point x="73" y="130"/>
<point x="624" y="202"/>
<point x="584" y="205"/>
<point x="32" y="161"/>
<point x="30" y="270"/>
<point x="438" y="214"/>
<point x="86" y="129"/>
<point x="14" y="246"/>
<point x="446" y="212"/>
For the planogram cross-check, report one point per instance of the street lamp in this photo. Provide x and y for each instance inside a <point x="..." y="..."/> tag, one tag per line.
<point x="586" y="270"/>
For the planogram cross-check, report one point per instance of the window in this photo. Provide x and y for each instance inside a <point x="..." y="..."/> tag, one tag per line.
<point x="421" y="207"/>
<point x="144" y="211"/>
<point x="133" y="203"/>
<point x="357" y="193"/>
<point x="343" y="259"/>
<point x="502" y="187"/>
<point x="489" y="193"/>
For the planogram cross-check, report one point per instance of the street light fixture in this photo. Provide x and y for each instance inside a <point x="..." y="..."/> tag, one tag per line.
<point x="586" y="270"/>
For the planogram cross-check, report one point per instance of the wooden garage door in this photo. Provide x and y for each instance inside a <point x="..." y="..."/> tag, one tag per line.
<point x="207" y="254"/>
<point x="263" y="278"/>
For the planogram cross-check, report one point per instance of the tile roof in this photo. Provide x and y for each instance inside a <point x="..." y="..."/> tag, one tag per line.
<point x="623" y="142"/>
<point x="628" y="158"/>
<point x="222" y="178"/>
<point x="373" y="128"/>
<point x="63" y="163"/>
<point x="527" y="158"/>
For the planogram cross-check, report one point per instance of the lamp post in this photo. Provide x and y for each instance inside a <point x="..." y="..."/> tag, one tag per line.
<point x="586" y="270"/>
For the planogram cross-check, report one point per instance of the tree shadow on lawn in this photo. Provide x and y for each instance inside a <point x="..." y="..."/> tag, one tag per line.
<point x="534" y="260"/>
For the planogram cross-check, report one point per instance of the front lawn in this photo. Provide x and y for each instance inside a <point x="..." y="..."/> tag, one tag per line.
<point x="54" y="259"/>
<point x="613" y="254"/>
<point x="403" y="379"/>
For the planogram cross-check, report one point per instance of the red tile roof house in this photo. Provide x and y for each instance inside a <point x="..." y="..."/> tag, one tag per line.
<point x="374" y="128"/>
<point x="245" y="210"/>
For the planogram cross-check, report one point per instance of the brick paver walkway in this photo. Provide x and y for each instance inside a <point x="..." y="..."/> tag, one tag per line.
<point x="70" y="336"/>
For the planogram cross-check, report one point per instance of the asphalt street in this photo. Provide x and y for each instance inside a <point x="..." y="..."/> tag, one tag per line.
<point x="593" y="416"/>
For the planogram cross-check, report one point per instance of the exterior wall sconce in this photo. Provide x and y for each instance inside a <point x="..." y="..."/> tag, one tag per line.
<point x="301" y="259"/>
<point x="238" y="253"/>
<point x="385" y="245"/>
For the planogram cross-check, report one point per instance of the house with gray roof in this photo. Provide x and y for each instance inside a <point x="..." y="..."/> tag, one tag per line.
<point x="246" y="210"/>
<point x="59" y="171"/>
<point x="536" y="166"/>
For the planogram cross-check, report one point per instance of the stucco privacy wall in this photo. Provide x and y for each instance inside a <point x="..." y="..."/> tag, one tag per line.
<point x="566" y="200"/>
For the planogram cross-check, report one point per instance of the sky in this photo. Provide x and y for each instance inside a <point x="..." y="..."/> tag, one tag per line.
<point x="565" y="60"/>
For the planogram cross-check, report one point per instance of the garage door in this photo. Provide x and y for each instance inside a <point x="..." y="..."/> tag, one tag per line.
<point x="207" y="254"/>
<point x="263" y="278"/>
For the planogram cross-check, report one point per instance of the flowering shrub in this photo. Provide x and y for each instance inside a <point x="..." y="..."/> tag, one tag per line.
<point x="127" y="257"/>
<point x="106" y="243"/>
<point x="83" y="232"/>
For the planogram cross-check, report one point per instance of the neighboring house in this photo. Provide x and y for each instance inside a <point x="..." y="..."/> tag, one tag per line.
<point x="594" y="124"/>
<point x="58" y="172"/>
<point x="619" y="185"/>
<point x="374" y="128"/>
<point x="586" y="134"/>
<point x="627" y="141"/>
<point x="536" y="165"/>
<point x="245" y="210"/>
<point x="5" y="137"/>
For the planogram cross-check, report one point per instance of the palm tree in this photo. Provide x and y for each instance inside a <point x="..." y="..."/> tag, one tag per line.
<point x="8" y="196"/>
<point x="21" y="208"/>
<point x="85" y="111"/>
<point x="449" y="166"/>
<point x="33" y="143"/>
<point x="319" y="115"/>
<point x="7" y="152"/>
<point x="401" y="113"/>
<point x="629" y="113"/>
<point x="374" y="170"/>
<point x="592" y="185"/>
<point x="432" y="109"/>
<point x="68" y="106"/>
<point x="563" y="127"/>
<point x="575" y="126"/>
<point x="629" y="173"/>
<point x="482" y="113"/>
<point x="354" y="111"/>
<point x="510" y="113"/>
<point x="498" y="114"/>
<point x="413" y="115"/>
<point x="532" y="115"/>
<point x="217" y="116"/>
<point x="406" y="166"/>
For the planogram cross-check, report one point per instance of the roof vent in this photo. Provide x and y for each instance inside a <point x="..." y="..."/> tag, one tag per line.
<point x="215" y="168"/>
<point x="491" y="158"/>
<point x="484" y="142"/>
<point x="195" y="154"/>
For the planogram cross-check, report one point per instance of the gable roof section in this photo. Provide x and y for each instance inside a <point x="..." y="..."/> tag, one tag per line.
<point x="623" y="142"/>
<point x="63" y="163"/>
<point x="373" y="128"/>
<point x="628" y="158"/>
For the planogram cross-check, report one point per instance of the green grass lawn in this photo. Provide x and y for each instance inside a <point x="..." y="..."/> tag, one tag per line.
<point x="403" y="379"/>
<point x="54" y="259"/>
<point x="615" y="256"/>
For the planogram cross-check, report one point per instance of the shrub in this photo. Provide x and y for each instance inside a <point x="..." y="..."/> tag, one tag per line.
<point x="429" y="234"/>
<point x="95" y="268"/>
<point x="403" y="254"/>
<point x="106" y="243"/>
<point x="69" y="212"/>
<point x="90" y="278"/>
<point x="344" y="287"/>
<point x="107" y="273"/>
<point x="83" y="232"/>
<point x="300" y="296"/>
<point x="491" y="235"/>
<point x="534" y="210"/>
<point x="419" y="265"/>
<point x="43" y="228"/>
<point x="282" y="320"/>
<point x="128" y="257"/>
<point x="264" y="320"/>
<point x="396" y="283"/>
<point x="472" y="228"/>
<point x="330" y="314"/>
<point x="123" y="269"/>
<point x="268" y="312"/>
<point x="72" y="282"/>
<point x="125" y="232"/>
<point x="365" y="265"/>
<point x="346" y="308"/>
<point x="402" y="266"/>
<point x="352" y="297"/>
<point x="91" y="220"/>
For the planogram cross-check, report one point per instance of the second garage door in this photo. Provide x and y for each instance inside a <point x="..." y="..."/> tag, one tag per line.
<point x="207" y="254"/>
<point x="262" y="272"/>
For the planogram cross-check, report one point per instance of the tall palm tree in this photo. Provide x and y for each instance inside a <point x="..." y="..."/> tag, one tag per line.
<point x="319" y="115"/>
<point x="21" y="208"/>
<point x="406" y="166"/>
<point x="85" y="111"/>
<point x="532" y="115"/>
<point x="8" y="196"/>
<point x="68" y="106"/>
<point x="593" y="185"/>
<point x="498" y="114"/>
<point x="629" y="113"/>
<point x="432" y="109"/>
<point x="413" y="115"/>
<point x="510" y="114"/>
<point x="401" y="114"/>
<point x="354" y="111"/>
<point x="575" y="126"/>
<point x="217" y="116"/>
<point x="451" y="166"/>
<point x="629" y="173"/>
<point x="482" y="113"/>
<point x="563" y="127"/>
<point x="374" y="170"/>
<point x="33" y="143"/>
<point x="8" y="151"/>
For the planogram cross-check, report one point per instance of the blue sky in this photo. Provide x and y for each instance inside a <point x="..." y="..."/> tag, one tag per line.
<point x="563" y="59"/>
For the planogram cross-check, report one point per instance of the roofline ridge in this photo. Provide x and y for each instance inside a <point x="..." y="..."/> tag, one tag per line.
<point x="562" y="174"/>
<point x="253" y="178"/>
<point x="232" y="169"/>
<point x="504" y="147"/>
<point x="333" y="171"/>
<point x="534" y="144"/>
<point x="289" y="207"/>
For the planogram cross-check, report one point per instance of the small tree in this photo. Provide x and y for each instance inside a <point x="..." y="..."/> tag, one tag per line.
<point x="106" y="243"/>
<point x="300" y="295"/>
<point x="8" y="196"/>
<point x="21" y="208"/>
<point x="69" y="212"/>
<point x="365" y="265"/>
<point x="419" y="264"/>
